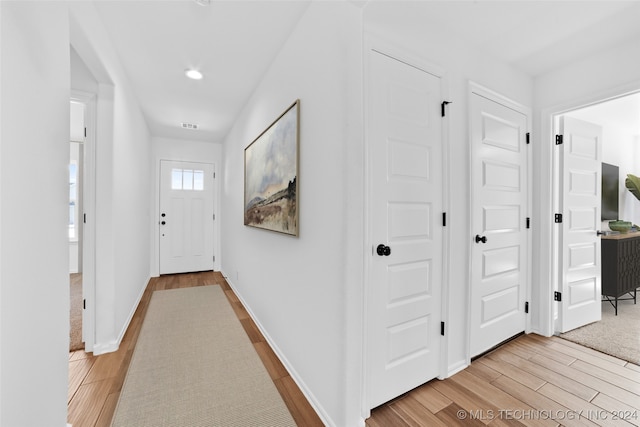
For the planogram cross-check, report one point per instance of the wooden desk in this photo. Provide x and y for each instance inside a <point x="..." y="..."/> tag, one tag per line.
<point x="620" y="267"/>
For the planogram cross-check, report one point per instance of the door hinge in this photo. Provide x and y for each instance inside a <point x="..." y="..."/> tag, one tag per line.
<point x="214" y="258"/>
<point x="528" y="222"/>
<point x="528" y="138"/>
<point x="214" y="217"/>
<point x="526" y="307"/>
<point x="85" y="132"/>
<point x="443" y="109"/>
<point x="558" y="218"/>
<point x="214" y="175"/>
<point x="557" y="296"/>
<point x="444" y="219"/>
<point x="84" y="304"/>
<point x="84" y="218"/>
<point x="442" y="328"/>
<point x="559" y="139"/>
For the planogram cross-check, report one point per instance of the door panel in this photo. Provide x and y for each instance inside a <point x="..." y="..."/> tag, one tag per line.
<point x="186" y="217"/>
<point x="580" y="164"/>
<point x="500" y="202"/>
<point x="404" y="135"/>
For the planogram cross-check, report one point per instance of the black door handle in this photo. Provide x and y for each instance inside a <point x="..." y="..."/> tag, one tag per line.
<point x="163" y="222"/>
<point x="482" y="239"/>
<point x="383" y="250"/>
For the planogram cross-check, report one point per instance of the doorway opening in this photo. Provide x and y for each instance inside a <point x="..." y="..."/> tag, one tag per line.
<point x="75" y="226"/>
<point x="81" y="226"/>
<point x="619" y="119"/>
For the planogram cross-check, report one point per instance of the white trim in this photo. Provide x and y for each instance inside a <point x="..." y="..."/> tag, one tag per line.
<point x="374" y="43"/>
<point x="475" y="88"/>
<point x="216" y="211"/>
<point x="112" y="346"/>
<point x="313" y="401"/>
<point x="89" y="208"/>
<point x="457" y="367"/>
<point x="548" y="199"/>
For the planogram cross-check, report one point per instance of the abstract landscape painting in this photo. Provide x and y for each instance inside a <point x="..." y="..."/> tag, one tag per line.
<point x="271" y="175"/>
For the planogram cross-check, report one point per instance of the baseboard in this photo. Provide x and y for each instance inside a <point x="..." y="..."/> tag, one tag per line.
<point x="109" y="347"/>
<point x="112" y="346"/>
<point x="454" y="368"/>
<point x="324" y="417"/>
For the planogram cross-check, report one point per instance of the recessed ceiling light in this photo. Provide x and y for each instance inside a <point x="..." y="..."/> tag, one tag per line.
<point x="203" y="2"/>
<point x="193" y="74"/>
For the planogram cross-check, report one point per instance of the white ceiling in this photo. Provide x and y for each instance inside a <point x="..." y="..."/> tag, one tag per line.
<point x="234" y="41"/>
<point x="533" y="36"/>
<point x="231" y="42"/>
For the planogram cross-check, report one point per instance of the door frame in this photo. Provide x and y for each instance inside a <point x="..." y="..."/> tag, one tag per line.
<point x="550" y="236"/>
<point x="475" y="88"/>
<point x="374" y="43"/>
<point x="89" y="209"/>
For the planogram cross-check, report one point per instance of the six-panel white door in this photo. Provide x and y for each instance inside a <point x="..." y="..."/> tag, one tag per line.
<point x="499" y="254"/>
<point x="580" y="186"/>
<point x="186" y="217"/>
<point x="404" y="303"/>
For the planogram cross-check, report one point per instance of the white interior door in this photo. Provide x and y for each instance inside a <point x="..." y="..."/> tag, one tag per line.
<point x="186" y="217"/>
<point x="580" y="160"/>
<point x="499" y="254"/>
<point x="404" y="302"/>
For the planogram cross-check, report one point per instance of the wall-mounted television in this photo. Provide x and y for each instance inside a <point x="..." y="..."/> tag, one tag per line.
<point x="610" y="191"/>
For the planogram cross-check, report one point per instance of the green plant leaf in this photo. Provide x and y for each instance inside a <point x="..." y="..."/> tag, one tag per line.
<point x="633" y="185"/>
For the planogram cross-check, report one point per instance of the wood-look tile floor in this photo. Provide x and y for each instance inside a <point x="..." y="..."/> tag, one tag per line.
<point x="531" y="381"/>
<point x="95" y="381"/>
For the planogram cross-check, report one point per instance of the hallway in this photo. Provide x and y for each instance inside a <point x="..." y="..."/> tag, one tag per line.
<point x="95" y="381"/>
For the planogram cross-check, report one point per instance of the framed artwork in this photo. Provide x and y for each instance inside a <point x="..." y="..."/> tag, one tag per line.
<point x="271" y="175"/>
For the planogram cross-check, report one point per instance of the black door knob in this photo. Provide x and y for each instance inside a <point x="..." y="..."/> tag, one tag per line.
<point x="164" y="214"/>
<point x="163" y="222"/>
<point x="482" y="239"/>
<point x="383" y="250"/>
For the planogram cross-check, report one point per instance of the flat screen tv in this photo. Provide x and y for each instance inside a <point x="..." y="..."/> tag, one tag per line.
<point x="610" y="191"/>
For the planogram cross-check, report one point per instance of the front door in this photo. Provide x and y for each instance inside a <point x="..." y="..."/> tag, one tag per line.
<point x="186" y="217"/>
<point x="499" y="240"/>
<point x="405" y="274"/>
<point x="580" y="162"/>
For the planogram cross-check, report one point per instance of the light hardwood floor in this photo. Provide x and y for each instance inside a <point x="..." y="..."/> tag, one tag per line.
<point x="95" y="381"/>
<point x="531" y="381"/>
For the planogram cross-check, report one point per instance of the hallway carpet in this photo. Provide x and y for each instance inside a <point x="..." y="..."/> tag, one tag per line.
<point x="75" y="312"/>
<point x="193" y="365"/>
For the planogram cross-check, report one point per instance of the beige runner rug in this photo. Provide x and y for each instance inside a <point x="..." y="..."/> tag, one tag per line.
<point x="193" y="365"/>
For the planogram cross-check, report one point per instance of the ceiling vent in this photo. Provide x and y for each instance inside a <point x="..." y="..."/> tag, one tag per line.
<point x="189" y="125"/>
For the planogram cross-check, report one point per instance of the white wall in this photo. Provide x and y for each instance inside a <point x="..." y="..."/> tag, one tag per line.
<point x="185" y="151"/>
<point x="81" y="77"/>
<point x="603" y="75"/>
<point x="123" y="185"/>
<point x="34" y="153"/>
<point x="461" y="66"/>
<point x="300" y="289"/>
